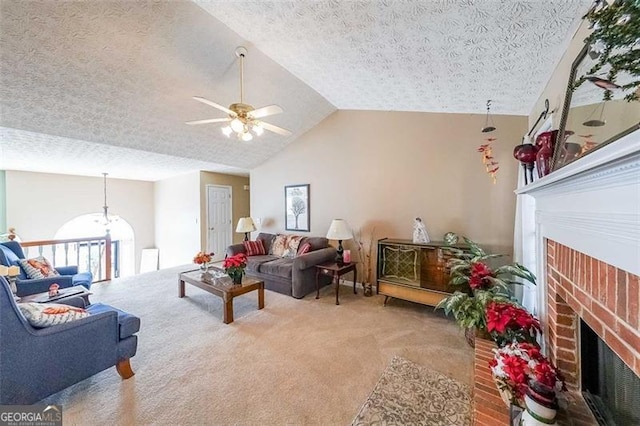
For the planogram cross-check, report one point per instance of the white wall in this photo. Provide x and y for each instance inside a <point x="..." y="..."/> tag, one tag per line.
<point x="177" y="219"/>
<point x="383" y="169"/>
<point x="38" y="204"/>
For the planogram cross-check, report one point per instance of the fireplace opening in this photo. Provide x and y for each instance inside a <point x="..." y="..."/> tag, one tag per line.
<point x="611" y="389"/>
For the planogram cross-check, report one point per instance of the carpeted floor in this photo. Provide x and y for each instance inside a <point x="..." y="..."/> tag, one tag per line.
<point x="294" y="362"/>
<point x="408" y="394"/>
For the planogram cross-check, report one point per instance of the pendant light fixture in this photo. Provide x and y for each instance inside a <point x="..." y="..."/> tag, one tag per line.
<point x="599" y="122"/>
<point x="105" y="218"/>
<point x="488" y="123"/>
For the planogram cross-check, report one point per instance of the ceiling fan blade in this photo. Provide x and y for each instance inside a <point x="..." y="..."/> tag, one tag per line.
<point x="215" y="105"/>
<point x="275" y="129"/>
<point x="210" y="120"/>
<point x="265" y="111"/>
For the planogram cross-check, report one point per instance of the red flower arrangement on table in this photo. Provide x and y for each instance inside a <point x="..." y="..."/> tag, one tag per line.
<point x="517" y="364"/>
<point x="234" y="267"/>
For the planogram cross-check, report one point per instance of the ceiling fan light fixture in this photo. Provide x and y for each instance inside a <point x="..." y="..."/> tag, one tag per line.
<point x="246" y="136"/>
<point x="237" y="125"/>
<point x="257" y="129"/>
<point x="226" y="130"/>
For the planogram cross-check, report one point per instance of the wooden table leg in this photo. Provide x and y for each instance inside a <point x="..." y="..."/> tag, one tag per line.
<point x="336" y="279"/>
<point x="228" y="309"/>
<point x="261" y="296"/>
<point x="355" y="278"/>
<point x="317" y="285"/>
<point x="385" y="300"/>
<point x="180" y="288"/>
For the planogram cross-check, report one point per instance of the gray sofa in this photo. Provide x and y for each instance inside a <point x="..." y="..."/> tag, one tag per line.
<point x="291" y="276"/>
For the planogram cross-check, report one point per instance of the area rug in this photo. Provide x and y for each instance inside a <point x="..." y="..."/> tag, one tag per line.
<point x="409" y="394"/>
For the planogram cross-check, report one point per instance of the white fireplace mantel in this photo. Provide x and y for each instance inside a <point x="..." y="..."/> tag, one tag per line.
<point x="593" y="204"/>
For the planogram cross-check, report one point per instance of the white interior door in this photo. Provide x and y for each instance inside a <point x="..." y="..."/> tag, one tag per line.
<point x="219" y="220"/>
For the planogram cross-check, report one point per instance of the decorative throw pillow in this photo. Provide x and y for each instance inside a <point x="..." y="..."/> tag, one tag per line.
<point x="278" y="246"/>
<point x="305" y="248"/>
<point x="48" y="314"/>
<point x="254" y="248"/>
<point x="38" y="267"/>
<point x="292" y="244"/>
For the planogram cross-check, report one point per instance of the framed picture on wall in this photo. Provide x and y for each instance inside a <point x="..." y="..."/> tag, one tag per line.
<point x="296" y="208"/>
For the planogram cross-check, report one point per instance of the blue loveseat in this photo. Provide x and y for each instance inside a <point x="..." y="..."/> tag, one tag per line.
<point x="11" y="252"/>
<point x="38" y="362"/>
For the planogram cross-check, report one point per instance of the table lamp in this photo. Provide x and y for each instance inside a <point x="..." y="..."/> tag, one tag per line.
<point x="339" y="230"/>
<point x="246" y="225"/>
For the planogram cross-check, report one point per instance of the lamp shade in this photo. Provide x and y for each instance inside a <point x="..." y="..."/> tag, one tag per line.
<point x="245" y="224"/>
<point x="339" y="230"/>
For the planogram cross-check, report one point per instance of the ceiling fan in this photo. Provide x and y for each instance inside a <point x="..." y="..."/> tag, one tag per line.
<point x="243" y="118"/>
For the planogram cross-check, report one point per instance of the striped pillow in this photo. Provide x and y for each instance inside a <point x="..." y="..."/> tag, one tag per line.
<point x="38" y="267"/>
<point x="305" y="248"/>
<point x="254" y="248"/>
<point x="48" y="314"/>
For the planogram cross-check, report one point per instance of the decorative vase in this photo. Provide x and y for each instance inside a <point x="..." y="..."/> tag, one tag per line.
<point x="450" y="238"/>
<point x="236" y="277"/>
<point x="546" y="142"/>
<point x="526" y="154"/>
<point x="204" y="267"/>
<point x="541" y="405"/>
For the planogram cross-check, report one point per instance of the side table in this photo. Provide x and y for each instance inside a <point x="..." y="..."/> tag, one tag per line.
<point x="336" y="271"/>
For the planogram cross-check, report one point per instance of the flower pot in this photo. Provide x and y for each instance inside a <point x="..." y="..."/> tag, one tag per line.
<point x="236" y="277"/>
<point x="472" y="333"/>
<point x="505" y="393"/>
<point x="204" y="267"/>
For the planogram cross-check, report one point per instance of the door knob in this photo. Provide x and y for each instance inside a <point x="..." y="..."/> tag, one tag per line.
<point x="211" y="229"/>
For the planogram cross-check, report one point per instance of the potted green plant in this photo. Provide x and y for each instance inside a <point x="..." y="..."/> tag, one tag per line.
<point x="479" y="285"/>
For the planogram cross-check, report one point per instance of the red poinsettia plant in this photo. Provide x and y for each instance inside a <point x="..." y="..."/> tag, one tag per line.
<point x="202" y="257"/>
<point x="516" y="364"/>
<point x="234" y="266"/>
<point x="508" y="322"/>
<point x="479" y="285"/>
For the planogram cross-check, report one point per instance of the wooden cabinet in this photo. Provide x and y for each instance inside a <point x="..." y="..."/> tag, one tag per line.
<point x="415" y="272"/>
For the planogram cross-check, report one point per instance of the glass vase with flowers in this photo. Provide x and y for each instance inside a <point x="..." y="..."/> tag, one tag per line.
<point x="203" y="259"/>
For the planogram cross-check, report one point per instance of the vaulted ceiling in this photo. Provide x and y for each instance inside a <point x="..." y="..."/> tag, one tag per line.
<point x="87" y="87"/>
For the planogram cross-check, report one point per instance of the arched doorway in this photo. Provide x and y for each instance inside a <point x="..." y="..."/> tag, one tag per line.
<point x="120" y="230"/>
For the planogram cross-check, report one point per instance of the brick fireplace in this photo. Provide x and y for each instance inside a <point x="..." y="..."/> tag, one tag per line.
<point x="586" y="218"/>
<point x="603" y="296"/>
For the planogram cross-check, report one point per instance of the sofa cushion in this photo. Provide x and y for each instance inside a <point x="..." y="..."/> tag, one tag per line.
<point x="279" y="245"/>
<point x="128" y="324"/>
<point x="48" y="314"/>
<point x="254" y="248"/>
<point x="38" y="268"/>
<point x="267" y="240"/>
<point x="254" y="262"/>
<point x="280" y="267"/>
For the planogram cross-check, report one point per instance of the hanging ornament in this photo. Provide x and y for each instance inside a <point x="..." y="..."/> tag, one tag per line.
<point x="490" y="164"/>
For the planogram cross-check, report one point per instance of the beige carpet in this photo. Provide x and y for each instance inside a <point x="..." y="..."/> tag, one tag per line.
<point x="408" y="394"/>
<point x="294" y="362"/>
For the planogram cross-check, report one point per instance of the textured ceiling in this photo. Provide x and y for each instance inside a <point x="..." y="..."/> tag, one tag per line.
<point x="79" y="80"/>
<point x="413" y="55"/>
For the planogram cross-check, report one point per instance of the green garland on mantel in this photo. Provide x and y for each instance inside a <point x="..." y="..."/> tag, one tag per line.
<point x="617" y="33"/>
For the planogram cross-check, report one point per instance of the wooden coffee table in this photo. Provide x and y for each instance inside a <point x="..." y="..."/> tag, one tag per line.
<point x="222" y="286"/>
